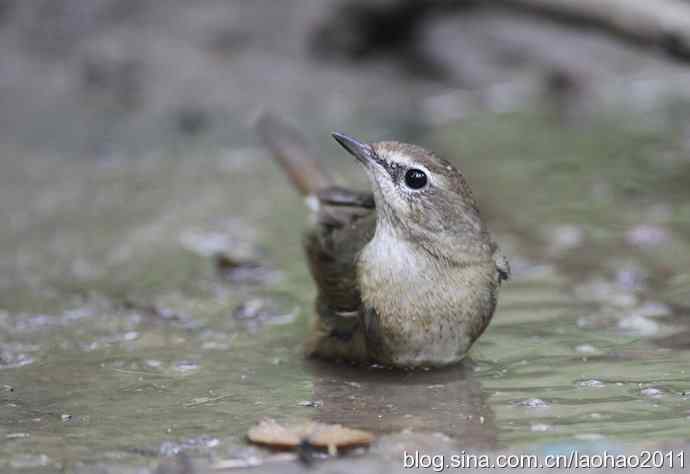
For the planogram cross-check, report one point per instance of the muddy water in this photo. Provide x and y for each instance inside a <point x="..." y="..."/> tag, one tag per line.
<point x="122" y="342"/>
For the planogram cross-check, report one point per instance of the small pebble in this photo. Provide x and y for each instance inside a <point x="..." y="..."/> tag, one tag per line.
<point x="310" y="403"/>
<point x="532" y="403"/>
<point x="591" y="383"/>
<point x="186" y="366"/>
<point x="540" y="427"/>
<point x="646" y="235"/>
<point x="652" y="392"/>
<point x="639" y="325"/>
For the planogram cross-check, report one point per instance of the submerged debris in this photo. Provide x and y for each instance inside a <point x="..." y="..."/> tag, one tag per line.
<point x="158" y="312"/>
<point x="245" y="271"/>
<point x="316" y="435"/>
<point x="234" y="251"/>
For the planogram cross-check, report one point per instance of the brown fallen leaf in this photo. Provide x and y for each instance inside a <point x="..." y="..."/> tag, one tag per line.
<point x="331" y="437"/>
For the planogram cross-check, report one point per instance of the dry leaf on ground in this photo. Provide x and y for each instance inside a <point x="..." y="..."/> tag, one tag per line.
<point x="331" y="437"/>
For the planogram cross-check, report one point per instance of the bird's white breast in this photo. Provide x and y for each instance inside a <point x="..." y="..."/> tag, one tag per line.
<point x="420" y="303"/>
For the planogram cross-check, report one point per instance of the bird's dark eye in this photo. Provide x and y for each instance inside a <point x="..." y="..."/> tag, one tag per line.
<point x="415" y="179"/>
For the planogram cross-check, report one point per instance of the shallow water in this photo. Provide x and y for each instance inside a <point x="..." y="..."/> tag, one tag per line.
<point x="121" y="342"/>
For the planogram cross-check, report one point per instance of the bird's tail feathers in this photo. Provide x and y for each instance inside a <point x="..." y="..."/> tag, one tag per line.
<point x="289" y="149"/>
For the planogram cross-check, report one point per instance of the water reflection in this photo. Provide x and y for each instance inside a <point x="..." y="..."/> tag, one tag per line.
<point x="448" y="401"/>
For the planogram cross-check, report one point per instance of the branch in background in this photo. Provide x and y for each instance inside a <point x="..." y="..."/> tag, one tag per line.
<point x="660" y="23"/>
<point x="364" y="29"/>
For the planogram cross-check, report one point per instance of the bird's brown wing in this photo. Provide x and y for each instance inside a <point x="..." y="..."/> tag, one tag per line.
<point x="346" y="221"/>
<point x="332" y="247"/>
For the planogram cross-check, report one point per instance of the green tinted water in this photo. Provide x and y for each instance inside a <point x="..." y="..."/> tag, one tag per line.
<point x="121" y="343"/>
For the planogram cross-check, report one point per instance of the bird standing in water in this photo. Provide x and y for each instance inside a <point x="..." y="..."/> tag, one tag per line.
<point x="408" y="274"/>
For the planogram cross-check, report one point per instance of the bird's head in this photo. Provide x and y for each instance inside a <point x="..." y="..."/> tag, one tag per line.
<point x="421" y="198"/>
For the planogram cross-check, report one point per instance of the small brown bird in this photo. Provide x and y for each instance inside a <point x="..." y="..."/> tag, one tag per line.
<point x="408" y="274"/>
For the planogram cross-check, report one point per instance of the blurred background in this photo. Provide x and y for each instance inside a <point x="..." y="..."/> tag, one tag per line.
<point x="153" y="295"/>
<point x="107" y="76"/>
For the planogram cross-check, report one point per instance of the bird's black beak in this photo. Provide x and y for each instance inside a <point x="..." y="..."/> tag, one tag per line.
<point x="363" y="152"/>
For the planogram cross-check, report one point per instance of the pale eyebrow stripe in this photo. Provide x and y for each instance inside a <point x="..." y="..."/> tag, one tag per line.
<point x="404" y="160"/>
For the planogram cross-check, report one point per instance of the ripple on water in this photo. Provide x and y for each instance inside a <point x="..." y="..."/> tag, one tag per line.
<point x="603" y="291"/>
<point x="593" y="383"/>
<point x="589" y="436"/>
<point x="215" y="340"/>
<point x="11" y="360"/>
<point x="28" y="461"/>
<point x="186" y="366"/>
<point x="103" y="341"/>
